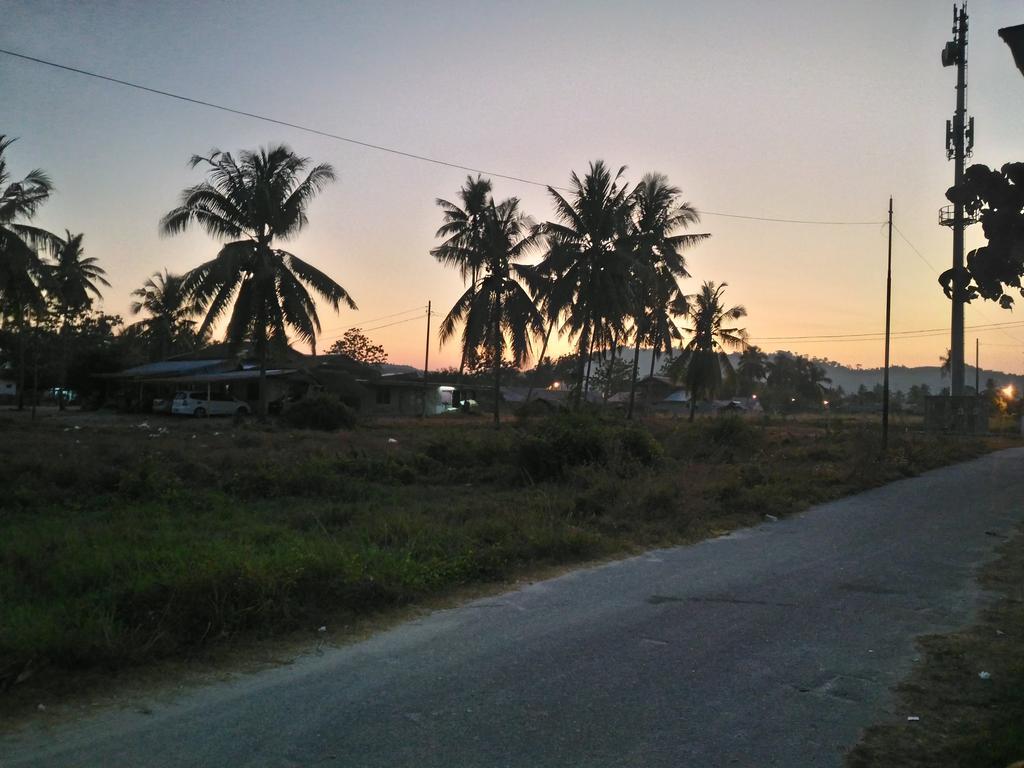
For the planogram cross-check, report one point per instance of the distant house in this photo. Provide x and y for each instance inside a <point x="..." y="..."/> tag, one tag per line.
<point x="738" y="405"/>
<point x="520" y="395"/>
<point x="217" y="369"/>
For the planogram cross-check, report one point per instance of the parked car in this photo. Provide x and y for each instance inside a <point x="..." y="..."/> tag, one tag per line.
<point x="218" y="404"/>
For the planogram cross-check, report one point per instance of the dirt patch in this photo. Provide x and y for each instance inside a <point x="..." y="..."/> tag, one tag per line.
<point x="963" y="706"/>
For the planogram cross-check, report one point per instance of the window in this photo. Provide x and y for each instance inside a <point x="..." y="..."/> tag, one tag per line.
<point x="383" y="396"/>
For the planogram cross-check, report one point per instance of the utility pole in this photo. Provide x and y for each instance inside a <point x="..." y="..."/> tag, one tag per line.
<point x="977" y="371"/>
<point x="888" y="319"/>
<point x="426" y="361"/>
<point x="959" y="143"/>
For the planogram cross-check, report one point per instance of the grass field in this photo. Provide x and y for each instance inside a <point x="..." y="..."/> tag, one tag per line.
<point x="124" y="541"/>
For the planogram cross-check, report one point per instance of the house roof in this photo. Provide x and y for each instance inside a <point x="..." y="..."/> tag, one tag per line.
<point x="167" y="368"/>
<point x="226" y="377"/>
<point x="679" y="396"/>
<point x="518" y="394"/>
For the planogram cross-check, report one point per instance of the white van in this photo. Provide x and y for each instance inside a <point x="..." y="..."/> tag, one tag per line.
<point x="217" y="404"/>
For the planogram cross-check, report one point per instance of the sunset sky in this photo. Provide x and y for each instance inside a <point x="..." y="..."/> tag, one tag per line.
<point x="808" y="109"/>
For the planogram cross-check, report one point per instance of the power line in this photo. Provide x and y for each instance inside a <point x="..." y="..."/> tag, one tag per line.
<point x="377" y="147"/>
<point x="266" y="119"/>
<point x="376" y="327"/>
<point x="396" y="322"/>
<point x="374" y="319"/>
<point x="979" y="307"/>
<point x="914" y="249"/>
<point x="875" y="335"/>
<point x="790" y="221"/>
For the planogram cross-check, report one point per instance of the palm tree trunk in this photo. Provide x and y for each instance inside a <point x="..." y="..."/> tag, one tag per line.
<point x="497" y="365"/>
<point x="581" y="362"/>
<point x="21" y="367"/>
<point x="263" y="382"/>
<point x="636" y="365"/>
<point x="35" y="381"/>
<point x="590" y="359"/>
<point x="650" y="379"/>
<point x="540" y="360"/>
<point x="63" y="365"/>
<point x="611" y="369"/>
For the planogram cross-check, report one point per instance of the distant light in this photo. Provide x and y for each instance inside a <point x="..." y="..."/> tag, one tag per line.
<point x="1008" y="390"/>
<point x="554" y="385"/>
<point x="825" y="403"/>
<point x="792" y="399"/>
<point x="753" y="397"/>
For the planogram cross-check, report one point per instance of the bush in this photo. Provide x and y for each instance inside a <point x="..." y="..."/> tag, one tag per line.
<point x="722" y="440"/>
<point x="320" y="412"/>
<point x="571" y="440"/>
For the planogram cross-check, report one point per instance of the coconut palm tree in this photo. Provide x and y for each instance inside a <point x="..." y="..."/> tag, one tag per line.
<point x="497" y="312"/>
<point x="22" y="271"/>
<point x="945" y="363"/>
<point x="462" y="231"/>
<point x="751" y="368"/>
<point x="75" y="277"/>
<point x="73" y="282"/>
<point x="658" y="216"/>
<point x="589" y="261"/>
<point x="462" y="228"/>
<point x="705" y="357"/>
<point x="253" y="203"/>
<point x="170" y="313"/>
<point x="20" y="242"/>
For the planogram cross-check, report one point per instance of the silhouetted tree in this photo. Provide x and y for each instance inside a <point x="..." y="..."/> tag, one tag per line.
<point x="73" y="282"/>
<point x="251" y="203"/>
<point x="462" y="229"/>
<point x="357" y="345"/>
<point x="497" y="312"/>
<point x="705" y="358"/>
<point x="997" y="198"/>
<point x="22" y="271"/>
<point x="169" y="327"/>
<point x="589" y="262"/>
<point x="657" y="216"/>
<point x="751" y="370"/>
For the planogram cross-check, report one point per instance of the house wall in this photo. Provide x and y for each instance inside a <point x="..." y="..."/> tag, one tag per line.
<point x="385" y="400"/>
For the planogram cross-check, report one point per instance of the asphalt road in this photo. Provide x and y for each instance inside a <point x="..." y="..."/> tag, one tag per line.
<point x="771" y="646"/>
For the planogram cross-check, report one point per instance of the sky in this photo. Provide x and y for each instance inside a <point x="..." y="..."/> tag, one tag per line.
<point x="801" y="109"/>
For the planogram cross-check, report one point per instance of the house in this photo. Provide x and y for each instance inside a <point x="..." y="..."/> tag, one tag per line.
<point x="214" y="369"/>
<point x="739" y="405"/>
<point x="550" y="399"/>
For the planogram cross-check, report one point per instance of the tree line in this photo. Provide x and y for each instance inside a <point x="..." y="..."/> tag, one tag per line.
<point x="606" y="276"/>
<point x="261" y="291"/>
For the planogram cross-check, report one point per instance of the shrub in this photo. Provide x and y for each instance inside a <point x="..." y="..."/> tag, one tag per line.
<point x="560" y="442"/>
<point x="320" y="412"/>
<point x="640" y="446"/>
<point x="721" y="440"/>
<point x="571" y="440"/>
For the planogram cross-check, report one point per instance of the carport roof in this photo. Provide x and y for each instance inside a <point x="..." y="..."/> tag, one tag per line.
<point x="225" y="377"/>
<point x="166" y="368"/>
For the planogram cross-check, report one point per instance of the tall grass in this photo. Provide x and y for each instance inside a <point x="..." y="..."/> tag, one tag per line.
<point x="123" y="545"/>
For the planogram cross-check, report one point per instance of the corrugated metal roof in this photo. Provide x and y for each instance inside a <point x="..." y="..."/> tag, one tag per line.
<point x="226" y="376"/>
<point x="169" y="368"/>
